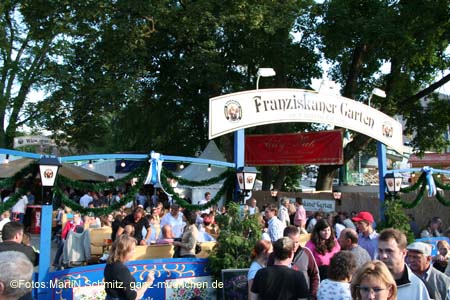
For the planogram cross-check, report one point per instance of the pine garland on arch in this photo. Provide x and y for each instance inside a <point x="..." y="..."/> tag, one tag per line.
<point x="228" y="185"/>
<point x="422" y="183"/>
<point x="139" y="173"/>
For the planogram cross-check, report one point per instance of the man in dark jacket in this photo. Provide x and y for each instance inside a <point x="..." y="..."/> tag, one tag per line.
<point x="12" y="235"/>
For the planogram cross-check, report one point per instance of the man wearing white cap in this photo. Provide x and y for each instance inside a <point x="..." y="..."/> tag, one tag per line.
<point x="419" y="260"/>
<point x="368" y="237"/>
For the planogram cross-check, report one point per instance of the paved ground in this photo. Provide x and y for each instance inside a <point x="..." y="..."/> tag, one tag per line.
<point x="35" y="241"/>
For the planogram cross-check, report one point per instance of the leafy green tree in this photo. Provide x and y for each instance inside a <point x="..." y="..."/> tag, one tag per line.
<point x="32" y="38"/>
<point x="358" y="37"/>
<point x="238" y="235"/>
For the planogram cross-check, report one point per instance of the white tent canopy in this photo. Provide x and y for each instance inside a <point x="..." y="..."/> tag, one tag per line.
<point x="195" y="172"/>
<point x="199" y="172"/>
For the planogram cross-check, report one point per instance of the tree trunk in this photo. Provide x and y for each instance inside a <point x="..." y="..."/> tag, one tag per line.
<point x="278" y="185"/>
<point x="326" y="173"/>
<point x="267" y="176"/>
<point x="325" y="177"/>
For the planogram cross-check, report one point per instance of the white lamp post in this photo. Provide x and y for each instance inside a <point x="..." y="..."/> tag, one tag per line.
<point x="264" y="72"/>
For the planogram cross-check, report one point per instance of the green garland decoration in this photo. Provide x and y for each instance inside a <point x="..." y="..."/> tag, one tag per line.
<point x="11" y="201"/>
<point x="439" y="196"/>
<point x="416" y="201"/>
<point x="229" y="182"/>
<point x="441" y="199"/>
<point x="440" y="185"/>
<point x="210" y="181"/>
<point x="101" y="186"/>
<point x="420" y="181"/>
<point x="99" y="211"/>
<point x="11" y="181"/>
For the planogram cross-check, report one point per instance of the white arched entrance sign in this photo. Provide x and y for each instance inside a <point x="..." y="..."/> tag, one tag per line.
<point x="237" y="111"/>
<point x="241" y="110"/>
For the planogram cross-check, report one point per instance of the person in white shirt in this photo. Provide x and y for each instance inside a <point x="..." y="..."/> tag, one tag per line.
<point x="19" y="208"/>
<point x="252" y="208"/>
<point x="86" y="199"/>
<point x="175" y="220"/>
<point x="275" y="226"/>
<point x="283" y="213"/>
<point x="204" y="201"/>
<point x="392" y="251"/>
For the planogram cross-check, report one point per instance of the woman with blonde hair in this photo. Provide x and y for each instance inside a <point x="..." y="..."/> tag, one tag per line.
<point x="119" y="283"/>
<point x="260" y="254"/>
<point x="373" y="278"/>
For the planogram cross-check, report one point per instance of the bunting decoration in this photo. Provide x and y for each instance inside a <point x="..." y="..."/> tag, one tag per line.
<point x="430" y="181"/>
<point x="154" y="172"/>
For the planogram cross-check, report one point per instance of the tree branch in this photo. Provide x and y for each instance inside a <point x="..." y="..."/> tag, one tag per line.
<point x="429" y="89"/>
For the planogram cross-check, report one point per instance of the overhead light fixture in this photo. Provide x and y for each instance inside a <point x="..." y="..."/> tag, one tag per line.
<point x="181" y="166"/>
<point x="209" y="168"/>
<point x="6" y="161"/>
<point x="123" y="164"/>
<point x="378" y="92"/>
<point x="264" y="72"/>
<point x="90" y="164"/>
<point x="110" y="179"/>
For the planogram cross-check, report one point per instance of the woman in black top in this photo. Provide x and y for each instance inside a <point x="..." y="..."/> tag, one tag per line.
<point x="119" y="283"/>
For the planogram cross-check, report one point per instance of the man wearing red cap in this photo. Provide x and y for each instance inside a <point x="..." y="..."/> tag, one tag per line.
<point x="368" y="237"/>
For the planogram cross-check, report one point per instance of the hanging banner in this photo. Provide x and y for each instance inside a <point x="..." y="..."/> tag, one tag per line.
<point x="236" y="111"/>
<point x="318" y="148"/>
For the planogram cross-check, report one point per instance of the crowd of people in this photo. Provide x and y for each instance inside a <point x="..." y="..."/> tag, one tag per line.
<point x="345" y="258"/>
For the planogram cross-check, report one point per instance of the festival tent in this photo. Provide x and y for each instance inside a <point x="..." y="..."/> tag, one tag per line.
<point x="67" y="170"/>
<point x="196" y="172"/>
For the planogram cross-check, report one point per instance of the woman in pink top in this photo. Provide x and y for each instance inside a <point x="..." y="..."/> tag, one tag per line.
<point x="323" y="245"/>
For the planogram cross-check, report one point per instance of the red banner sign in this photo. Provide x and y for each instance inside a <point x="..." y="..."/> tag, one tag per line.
<point x="317" y="148"/>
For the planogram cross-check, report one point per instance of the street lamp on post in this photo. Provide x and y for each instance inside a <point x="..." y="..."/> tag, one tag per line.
<point x="337" y="195"/>
<point x="274" y="194"/>
<point x="264" y="72"/>
<point x="393" y="183"/>
<point x="48" y="170"/>
<point x="246" y="178"/>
